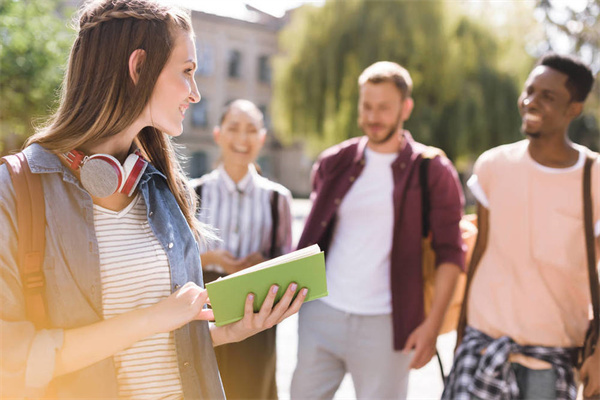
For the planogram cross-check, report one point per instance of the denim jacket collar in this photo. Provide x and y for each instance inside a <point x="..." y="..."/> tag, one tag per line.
<point x="43" y="161"/>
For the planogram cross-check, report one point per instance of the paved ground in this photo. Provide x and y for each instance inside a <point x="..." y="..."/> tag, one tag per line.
<point x="425" y="383"/>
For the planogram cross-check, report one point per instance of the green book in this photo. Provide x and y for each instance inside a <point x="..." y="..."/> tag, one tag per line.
<point x="306" y="267"/>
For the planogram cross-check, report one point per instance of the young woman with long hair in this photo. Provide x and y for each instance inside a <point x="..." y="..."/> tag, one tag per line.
<point x="122" y="269"/>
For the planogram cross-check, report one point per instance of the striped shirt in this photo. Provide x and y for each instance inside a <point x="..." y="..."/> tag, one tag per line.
<point x="135" y="274"/>
<point x="241" y="213"/>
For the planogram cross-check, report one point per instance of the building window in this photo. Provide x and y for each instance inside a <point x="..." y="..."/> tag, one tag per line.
<point x="264" y="69"/>
<point x="206" y="59"/>
<point x="200" y="113"/>
<point x="198" y="164"/>
<point x="267" y="118"/>
<point x="234" y="64"/>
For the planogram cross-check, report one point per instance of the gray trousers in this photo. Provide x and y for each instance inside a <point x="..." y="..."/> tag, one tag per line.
<point x="333" y="342"/>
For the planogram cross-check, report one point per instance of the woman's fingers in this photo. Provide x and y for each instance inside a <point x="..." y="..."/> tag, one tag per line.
<point x="270" y="314"/>
<point x="295" y="306"/>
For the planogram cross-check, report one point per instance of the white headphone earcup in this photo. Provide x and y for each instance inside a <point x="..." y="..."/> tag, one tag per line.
<point x="134" y="167"/>
<point x="101" y="175"/>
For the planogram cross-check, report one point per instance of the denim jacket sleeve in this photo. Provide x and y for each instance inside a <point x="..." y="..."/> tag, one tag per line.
<point x="27" y="356"/>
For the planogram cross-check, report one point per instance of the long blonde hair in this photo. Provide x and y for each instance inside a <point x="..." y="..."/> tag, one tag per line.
<point x="99" y="99"/>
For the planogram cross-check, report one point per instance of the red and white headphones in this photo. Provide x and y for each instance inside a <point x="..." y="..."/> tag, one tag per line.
<point x="102" y="174"/>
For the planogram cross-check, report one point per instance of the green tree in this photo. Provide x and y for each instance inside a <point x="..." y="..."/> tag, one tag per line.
<point x="34" y="46"/>
<point x="464" y="101"/>
<point x="575" y="28"/>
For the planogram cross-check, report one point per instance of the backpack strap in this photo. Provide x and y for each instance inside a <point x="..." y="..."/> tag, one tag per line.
<point x="594" y="328"/>
<point x="198" y="190"/>
<point x="31" y="223"/>
<point x="425" y="224"/>
<point x="427" y="155"/>
<point x="425" y="206"/>
<point x="275" y="219"/>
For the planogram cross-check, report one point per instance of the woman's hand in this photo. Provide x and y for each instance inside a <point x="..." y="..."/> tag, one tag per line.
<point x="267" y="317"/>
<point x="181" y="307"/>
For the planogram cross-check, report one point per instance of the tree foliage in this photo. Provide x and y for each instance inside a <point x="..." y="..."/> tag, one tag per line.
<point x="464" y="102"/>
<point x="574" y="27"/>
<point x="34" y="46"/>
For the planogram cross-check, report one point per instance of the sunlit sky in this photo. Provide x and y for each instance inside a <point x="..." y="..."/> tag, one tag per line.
<point x="229" y="7"/>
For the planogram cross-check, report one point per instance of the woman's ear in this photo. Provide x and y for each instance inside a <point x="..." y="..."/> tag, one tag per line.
<point x="136" y="59"/>
<point x="216" y="134"/>
<point x="262" y="135"/>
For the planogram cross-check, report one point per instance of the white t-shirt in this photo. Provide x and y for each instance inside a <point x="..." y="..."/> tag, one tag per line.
<point x="358" y="260"/>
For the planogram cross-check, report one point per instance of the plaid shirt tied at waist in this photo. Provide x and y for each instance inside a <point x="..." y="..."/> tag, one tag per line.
<point x="482" y="368"/>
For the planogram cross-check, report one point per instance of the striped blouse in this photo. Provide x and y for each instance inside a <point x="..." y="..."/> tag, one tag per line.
<point x="241" y="213"/>
<point x="135" y="274"/>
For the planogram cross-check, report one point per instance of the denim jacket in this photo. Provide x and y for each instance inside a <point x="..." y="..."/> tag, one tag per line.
<point x="73" y="287"/>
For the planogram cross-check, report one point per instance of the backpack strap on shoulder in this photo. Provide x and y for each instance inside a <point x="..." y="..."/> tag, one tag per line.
<point x="429" y="154"/>
<point x="275" y="220"/>
<point x="198" y="190"/>
<point x="591" y="337"/>
<point x="31" y="224"/>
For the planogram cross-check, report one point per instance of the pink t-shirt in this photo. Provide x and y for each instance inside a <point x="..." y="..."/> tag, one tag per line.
<point x="532" y="282"/>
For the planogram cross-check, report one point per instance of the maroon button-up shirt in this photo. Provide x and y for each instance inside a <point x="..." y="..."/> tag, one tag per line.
<point x="333" y="175"/>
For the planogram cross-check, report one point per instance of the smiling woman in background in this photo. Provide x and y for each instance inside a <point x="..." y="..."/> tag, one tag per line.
<point x="253" y="218"/>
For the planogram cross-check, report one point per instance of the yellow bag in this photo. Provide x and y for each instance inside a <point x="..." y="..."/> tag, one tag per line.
<point x="468" y="228"/>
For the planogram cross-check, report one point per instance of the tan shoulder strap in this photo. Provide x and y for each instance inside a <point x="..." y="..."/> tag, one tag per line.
<point x="591" y="248"/>
<point x="31" y="223"/>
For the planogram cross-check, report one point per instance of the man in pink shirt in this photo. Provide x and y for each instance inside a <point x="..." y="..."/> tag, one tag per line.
<point x="529" y="300"/>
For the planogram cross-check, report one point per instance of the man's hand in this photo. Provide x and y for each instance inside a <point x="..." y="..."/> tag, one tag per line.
<point x="590" y="375"/>
<point x="223" y="258"/>
<point x="422" y="340"/>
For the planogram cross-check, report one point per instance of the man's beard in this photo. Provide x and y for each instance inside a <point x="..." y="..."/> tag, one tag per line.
<point x="389" y="135"/>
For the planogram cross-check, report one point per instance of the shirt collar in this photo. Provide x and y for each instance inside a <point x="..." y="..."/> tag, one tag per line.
<point x="362" y="145"/>
<point x="245" y="185"/>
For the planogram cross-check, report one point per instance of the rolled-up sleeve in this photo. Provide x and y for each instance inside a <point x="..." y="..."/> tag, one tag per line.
<point x="27" y="355"/>
<point x="446" y="200"/>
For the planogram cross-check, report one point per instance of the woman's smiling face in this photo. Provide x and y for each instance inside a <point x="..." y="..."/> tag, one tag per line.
<point x="241" y="135"/>
<point x="175" y="88"/>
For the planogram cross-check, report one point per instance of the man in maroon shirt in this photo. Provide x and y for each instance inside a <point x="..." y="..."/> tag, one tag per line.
<point x="366" y="216"/>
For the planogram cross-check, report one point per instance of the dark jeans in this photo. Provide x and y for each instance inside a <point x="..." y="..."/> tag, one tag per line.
<point x="534" y="384"/>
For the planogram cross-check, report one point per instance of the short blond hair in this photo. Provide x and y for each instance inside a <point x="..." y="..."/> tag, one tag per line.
<point x="387" y="71"/>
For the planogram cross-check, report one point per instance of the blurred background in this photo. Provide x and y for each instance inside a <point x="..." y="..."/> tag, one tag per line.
<point x="299" y="62"/>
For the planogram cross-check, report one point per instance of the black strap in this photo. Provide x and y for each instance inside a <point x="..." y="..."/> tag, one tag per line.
<point x="198" y="190"/>
<point x="275" y="219"/>
<point x="425" y="208"/>
<point x="591" y="248"/>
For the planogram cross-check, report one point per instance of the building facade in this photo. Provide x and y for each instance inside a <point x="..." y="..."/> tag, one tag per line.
<point x="234" y="51"/>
